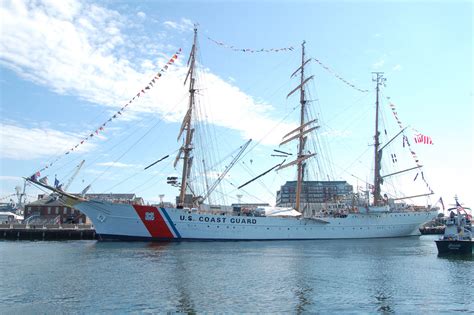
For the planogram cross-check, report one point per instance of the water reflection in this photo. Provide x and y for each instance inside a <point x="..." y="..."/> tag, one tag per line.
<point x="384" y="302"/>
<point x="303" y="292"/>
<point x="451" y="257"/>
<point x="158" y="246"/>
<point x="348" y="276"/>
<point x="182" y="273"/>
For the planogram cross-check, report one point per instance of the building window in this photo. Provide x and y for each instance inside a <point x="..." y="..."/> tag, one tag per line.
<point x="57" y="210"/>
<point x="49" y="210"/>
<point x="65" y="210"/>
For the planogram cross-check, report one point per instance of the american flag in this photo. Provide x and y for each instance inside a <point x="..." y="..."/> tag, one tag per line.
<point x="420" y="138"/>
<point x="461" y="209"/>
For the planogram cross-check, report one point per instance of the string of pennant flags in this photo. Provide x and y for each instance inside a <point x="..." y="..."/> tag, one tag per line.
<point x="101" y="128"/>
<point x="290" y="48"/>
<point x="419" y="137"/>
<point x="407" y="143"/>
<point x="339" y="77"/>
<point x="250" y="50"/>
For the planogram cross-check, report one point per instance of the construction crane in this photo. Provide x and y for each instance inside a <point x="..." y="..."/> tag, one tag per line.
<point x="221" y="177"/>
<point x="78" y="168"/>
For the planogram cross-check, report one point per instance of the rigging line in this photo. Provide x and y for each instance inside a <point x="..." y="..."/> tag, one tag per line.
<point x="318" y="145"/>
<point x="153" y="184"/>
<point x="243" y="190"/>
<point x="91" y="122"/>
<point x="264" y="173"/>
<point x="152" y="176"/>
<point x="320" y="142"/>
<point x="126" y="151"/>
<point x="109" y="139"/>
<point x="258" y="180"/>
<point x="269" y="132"/>
<point x="86" y="139"/>
<point x="350" y="165"/>
<point x="361" y="115"/>
<point x="352" y="104"/>
<point x="203" y="129"/>
<point x="205" y="137"/>
<point x="338" y="76"/>
<point x="231" y="154"/>
<point x="119" y="143"/>
<point x="98" y="156"/>
<point x="262" y="138"/>
<point x="253" y="86"/>
<point x="124" y="180"/>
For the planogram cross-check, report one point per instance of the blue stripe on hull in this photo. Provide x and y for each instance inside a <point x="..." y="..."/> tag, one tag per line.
<point x="170" y="223"/>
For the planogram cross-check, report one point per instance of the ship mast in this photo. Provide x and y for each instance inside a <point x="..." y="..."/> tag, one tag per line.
<point x="379" y="79"/>
<point x="299" y="182"/>
<point x="186" y="125"/>
<point x="301" y="131"/>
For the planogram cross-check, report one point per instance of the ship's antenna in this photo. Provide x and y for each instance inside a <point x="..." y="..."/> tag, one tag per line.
<point x="379" y="79"/>
<point x="186" y="125"/>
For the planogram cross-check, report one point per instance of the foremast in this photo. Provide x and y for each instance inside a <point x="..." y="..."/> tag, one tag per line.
<point x="379" y="79"/>
<point x="300" y="132"/>
<point x="187" y="147"/>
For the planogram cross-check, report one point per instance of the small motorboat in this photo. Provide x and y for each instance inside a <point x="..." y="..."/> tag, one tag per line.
<point x="457" y="238"/>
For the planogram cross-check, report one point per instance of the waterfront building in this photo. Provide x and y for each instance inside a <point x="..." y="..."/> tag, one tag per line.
<point x="313" y="193"/>
<point x="247" y="207"/>
<point x="49" y="209"/>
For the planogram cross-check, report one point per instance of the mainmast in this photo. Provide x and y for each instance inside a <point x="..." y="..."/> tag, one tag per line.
<point x="299" y="182"/>
<point x="186" y="125"/>
<point x="301" y="131"/>
<point x="379" y="79"/>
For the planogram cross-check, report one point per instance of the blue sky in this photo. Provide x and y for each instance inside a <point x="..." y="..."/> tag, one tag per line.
<point x="67" y="66"/>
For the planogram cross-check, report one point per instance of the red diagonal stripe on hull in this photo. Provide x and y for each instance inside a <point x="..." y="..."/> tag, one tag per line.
<point x="153" y="221"/>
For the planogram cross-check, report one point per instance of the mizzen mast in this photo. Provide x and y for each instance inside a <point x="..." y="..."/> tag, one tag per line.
<point x="301" y="131"/>
<point x="186" y="125"/>
<point x="379" y="79"/>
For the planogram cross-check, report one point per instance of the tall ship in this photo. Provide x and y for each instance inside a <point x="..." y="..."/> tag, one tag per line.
<point x="192" y="219"/>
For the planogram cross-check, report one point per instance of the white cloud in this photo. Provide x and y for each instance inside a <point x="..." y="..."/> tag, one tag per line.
<point x="118" y="165"/>
<point x="24" y="144"/>
<point x="81" y="49"/>
<point x="183" y="25"/>
<point x="10" y="178"/>
<point x="141" y="15"/>
<point x="378" y="64"/>
<point x="397" y="68"/>
<point x="337" y="133"/>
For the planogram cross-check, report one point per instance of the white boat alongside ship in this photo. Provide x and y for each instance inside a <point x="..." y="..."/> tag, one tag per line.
<point x="189" y="221"/>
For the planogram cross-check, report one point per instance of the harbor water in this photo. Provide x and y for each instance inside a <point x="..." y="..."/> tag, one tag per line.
<point x="402" y="275"/>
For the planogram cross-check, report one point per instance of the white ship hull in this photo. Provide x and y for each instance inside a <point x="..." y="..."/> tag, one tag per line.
<point x="133" y="222"/>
